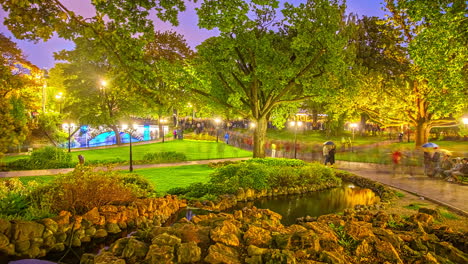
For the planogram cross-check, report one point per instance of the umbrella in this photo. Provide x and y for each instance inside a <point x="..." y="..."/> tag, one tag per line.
<point x="445" y="151"/>
<point x="430" y="145"/>
<point x="329" y="143"/>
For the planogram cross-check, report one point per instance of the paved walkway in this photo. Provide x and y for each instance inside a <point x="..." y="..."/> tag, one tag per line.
<point x="412" y="180"/>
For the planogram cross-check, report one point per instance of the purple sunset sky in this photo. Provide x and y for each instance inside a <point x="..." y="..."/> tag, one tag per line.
<point x="41" y="53"/>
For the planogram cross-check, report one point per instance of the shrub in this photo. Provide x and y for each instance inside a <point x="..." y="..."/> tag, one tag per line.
<point x="278" y="162"/>
<point x="44" y="158"/>
<point x="162" y="157"/>
<point x="83" y="189"/>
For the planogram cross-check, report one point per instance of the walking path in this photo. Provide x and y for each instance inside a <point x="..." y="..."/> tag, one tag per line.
<point x="411" y="180"/>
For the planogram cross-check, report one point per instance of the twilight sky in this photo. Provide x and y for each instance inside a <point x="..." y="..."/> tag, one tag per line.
<point x="41" y="54"/>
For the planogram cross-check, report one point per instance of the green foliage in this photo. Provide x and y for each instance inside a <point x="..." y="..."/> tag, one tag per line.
<point x="13" y="204"/>
<point x="163" y="157"/>
<point x="448" y="215"/>
<point x="414" y="206"/>
<point x="278" y="162"/>
<point x="345" y="240"/>
<point x="260" y="174"/>
<point x="44" y="158"/>
<point x="399" y="194"/>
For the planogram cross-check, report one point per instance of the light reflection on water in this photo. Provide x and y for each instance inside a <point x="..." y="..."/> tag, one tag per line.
<point x="292" y="207"/>
<point x="316" y="203"/>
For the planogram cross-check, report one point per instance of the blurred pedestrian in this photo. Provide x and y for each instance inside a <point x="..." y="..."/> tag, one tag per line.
<point x="396" y="158"/>
<point x="331" y="155"/>
<point x="226" y="138"/>
<point x="273" y="150"/>
<point x="326" y="154"/>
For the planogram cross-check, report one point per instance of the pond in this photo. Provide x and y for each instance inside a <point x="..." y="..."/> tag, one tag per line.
<point x="313" y="204"/>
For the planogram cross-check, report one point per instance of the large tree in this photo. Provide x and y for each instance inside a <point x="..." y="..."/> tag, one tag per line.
<point x="416" y="65"/>
<point x="268" y="59"/>
<point x="20" y="84"/>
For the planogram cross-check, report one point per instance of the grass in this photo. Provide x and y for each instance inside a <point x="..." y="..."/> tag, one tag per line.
<point x="448" y="215"/>
<point x="194" y="150"/>
<point x="415" y="206"/>
<point x="162" y="179"/>
<point x="180" y="176"/>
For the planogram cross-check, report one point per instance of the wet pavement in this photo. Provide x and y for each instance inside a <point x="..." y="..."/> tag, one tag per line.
<point x="412" y="179"/>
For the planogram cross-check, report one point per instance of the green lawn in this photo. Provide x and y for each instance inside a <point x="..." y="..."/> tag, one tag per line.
<point x="162" y="179"/>
<point x="180" y="176"/>
<point x="194" y="150"/>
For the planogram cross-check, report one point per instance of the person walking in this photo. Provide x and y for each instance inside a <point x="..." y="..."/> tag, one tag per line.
<point x="331" y="155"/>
<point x="226" y="138"/>
<point x="273" y="150"/>
<point x="326" y="154"/>
<point x="396" y="158"/>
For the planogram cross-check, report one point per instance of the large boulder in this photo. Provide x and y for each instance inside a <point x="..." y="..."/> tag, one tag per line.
<point x="160" y="255"/>
<point x="220" y="253"/>
<point x="188" y="253"/>
<point x="227" y="233"/>
<point x="257" y="236"/>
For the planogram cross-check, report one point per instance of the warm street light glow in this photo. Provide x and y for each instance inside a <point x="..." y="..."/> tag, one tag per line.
<point x="103" y="83"/>
<point x="69" y="127"/>
<point x="295" y="124"/>
<point x="217" y="120"/>
<point x="58" y="96"/>
<point x="465" y="120"/>
<point x="353" y="125"/>
<point x="252" y="124"/>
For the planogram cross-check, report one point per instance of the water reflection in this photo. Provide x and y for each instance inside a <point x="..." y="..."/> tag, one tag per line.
<point x="316" y="203"/>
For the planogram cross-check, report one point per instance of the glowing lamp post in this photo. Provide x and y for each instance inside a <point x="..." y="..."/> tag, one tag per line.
<point x="217" y="121"/>
<point x="130" y="132"/>
<point x="162" y="121"/>
<point x="353" y="127"/>
<point x="69" y="127"/>
<point x="295" y="124"/>
<point x="465" y="121"/>
<point x="59" y="97"/>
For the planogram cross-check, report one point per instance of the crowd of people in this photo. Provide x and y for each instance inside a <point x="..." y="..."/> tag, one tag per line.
<point x="440" y="164"/>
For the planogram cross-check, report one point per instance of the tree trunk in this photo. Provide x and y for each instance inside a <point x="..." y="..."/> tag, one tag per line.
<point x="362" y="126"/>
<point x="259" y="138"/>
<point x="118" y="139"/>
<point x="422" y="132"/>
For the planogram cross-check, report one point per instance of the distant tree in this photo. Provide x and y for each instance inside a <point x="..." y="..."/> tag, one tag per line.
<point x="414" y="65"/>
<point x="262" y="65"/>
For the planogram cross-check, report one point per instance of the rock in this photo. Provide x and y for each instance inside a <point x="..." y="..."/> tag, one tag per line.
<point x="280" y="256"/>
<point x="389" y="236"/>
<point x="358" y="230"/>
<point x="113" y="228"/>
<point x="100" y="233"/>
<point x="254" y="260"/>
<point x="190" y="232"/>
<point x="5" y="226"/>
<point x="107" y="258"/>
<point x="452" y="253"/>
<point x="188" y="253"/>
<point x="93" y="216"/>
<point x="257" y="236"/>
<point x="332" y="257"/>
<point x="87" y="258"/>
<point x="220" y="253"/>
<point x="363" y="249"/>
<point x="166" y="240"/>
<point x="22" y="246"/>
<point x="134" y="250"/>
<point x="227" y="233"/>
<point x="253" y="250"/>
<point x="157" y="254"/>
<point x="4" y="241"/>
<point x="422" y="218"/>
<point x="385" y="251"/>
<point x="25" y="230"/>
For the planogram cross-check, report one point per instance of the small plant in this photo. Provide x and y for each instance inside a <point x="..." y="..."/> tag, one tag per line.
<point x="399" y="194"/>
<point x="414" y="206"/>
<point x="344" y="240"/>
<point x="448" y="215"/>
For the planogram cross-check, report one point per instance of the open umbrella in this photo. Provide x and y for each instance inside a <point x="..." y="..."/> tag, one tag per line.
<point x="430" y="145"/>
<point x="329" y="143"/>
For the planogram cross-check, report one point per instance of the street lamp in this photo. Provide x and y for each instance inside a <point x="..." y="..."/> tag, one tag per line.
<point x="353" y="127"/>
<point x="295" y="124"/>
<point x="465" y="121"/>
<point x="130" y="132"/>
<point x="59" y="100"/>
<point x="217" y="121"/>
<point x="162" y="121"/>
<point x="69" y="127"/>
